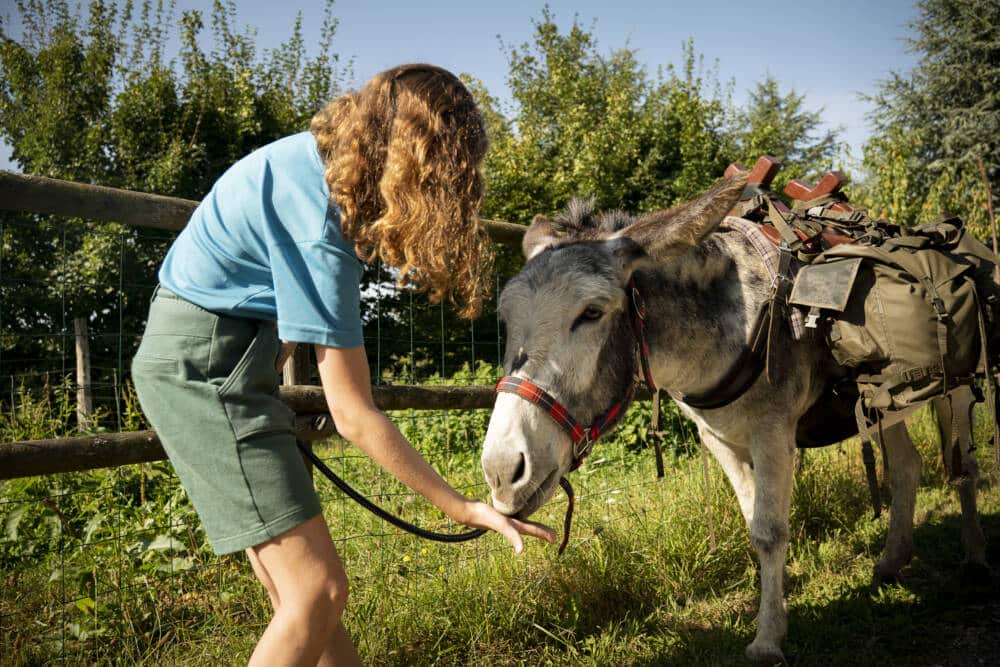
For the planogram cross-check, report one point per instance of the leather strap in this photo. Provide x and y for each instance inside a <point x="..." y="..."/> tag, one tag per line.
<point x="743" y="373"/>
<point x="638" y="321"/>
<point x="655" y="435"/>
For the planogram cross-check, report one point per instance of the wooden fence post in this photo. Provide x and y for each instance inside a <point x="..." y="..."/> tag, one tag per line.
<point x="298" y="371"/>
<point x="84" y="398"/>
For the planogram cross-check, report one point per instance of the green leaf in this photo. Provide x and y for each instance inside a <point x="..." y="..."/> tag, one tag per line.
<point x="177" y="564"/>
<point x="76" y="631"/>
<point x="93" y="525"/>
<point x="86" y="605"/>
<point x="162" y="543"/>
<point x="13" y="521"/>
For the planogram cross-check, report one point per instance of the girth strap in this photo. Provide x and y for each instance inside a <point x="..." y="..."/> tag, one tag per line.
<point x="743" y="373"/>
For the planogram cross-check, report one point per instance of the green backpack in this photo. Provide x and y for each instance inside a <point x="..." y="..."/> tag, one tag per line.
<point x="909" y="315"/>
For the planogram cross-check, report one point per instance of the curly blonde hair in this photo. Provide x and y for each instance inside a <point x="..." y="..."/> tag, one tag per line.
<point x="402" y="159"/>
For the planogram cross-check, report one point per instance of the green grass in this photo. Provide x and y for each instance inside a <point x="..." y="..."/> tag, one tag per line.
<point x="638" y="584"/>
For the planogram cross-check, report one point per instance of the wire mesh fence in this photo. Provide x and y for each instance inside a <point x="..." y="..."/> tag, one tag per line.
<point x="103" y="564"/>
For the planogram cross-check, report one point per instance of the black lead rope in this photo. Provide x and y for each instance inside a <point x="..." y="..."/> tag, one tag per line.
<point x="381" y="513"/>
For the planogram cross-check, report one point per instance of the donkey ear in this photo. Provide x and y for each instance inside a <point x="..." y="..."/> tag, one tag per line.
<point x="540" y="235"/>
<point x="630" y="255"/>
<point x="677" y="230"/>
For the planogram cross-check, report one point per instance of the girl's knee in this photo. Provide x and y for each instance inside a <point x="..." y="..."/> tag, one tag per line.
<point x="323" y="600"/>
<point x="337" y="590"/>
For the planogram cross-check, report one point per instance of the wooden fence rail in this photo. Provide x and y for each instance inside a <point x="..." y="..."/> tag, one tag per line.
<point x="38" y="194"/>
<point x="45" y="457"/>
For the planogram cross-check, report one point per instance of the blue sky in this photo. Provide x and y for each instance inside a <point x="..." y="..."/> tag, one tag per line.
<point x="830" y="56"/>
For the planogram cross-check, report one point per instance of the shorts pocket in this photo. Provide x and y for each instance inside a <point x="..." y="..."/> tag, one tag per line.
<point x="250" y="392"/>
<point x="153" y="365"/>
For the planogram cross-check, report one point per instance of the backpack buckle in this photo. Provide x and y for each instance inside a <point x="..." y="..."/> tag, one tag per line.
<point x="939" y="309"/>
<point x="812" y="318"/>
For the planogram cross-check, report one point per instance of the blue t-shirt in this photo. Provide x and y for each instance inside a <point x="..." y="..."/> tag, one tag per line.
<point x="266" y="244"/>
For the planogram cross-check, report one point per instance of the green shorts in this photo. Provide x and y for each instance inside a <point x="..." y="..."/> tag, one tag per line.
<point x="208" y="385"/>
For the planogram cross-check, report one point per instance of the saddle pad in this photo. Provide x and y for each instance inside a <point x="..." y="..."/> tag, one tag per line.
<point x="769" y="254"/>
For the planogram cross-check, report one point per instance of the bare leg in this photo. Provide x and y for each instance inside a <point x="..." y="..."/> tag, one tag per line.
<point x="904" y="475"/>
<point x="339" y="652"/>
<point x="264" y="578"/>
<point x="308" y="586"/>
<point x="773" y="463"/>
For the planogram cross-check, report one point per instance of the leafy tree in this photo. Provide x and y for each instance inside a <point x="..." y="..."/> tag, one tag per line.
<point x="588" y="123"/>
<point x="779" y="125"/>
<point x="936" y="124"/>
<point x="584" y="123"/>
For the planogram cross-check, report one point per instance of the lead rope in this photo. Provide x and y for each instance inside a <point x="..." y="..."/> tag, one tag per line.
<point x="568" y="521"/>
<point x="655" y="435"/>
<point x="381" y="513"/>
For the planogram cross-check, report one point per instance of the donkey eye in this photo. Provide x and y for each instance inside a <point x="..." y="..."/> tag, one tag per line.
<point x="589" y="314"/>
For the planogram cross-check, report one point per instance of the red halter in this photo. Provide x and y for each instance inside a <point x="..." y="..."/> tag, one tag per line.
<point x="583" y="437"/>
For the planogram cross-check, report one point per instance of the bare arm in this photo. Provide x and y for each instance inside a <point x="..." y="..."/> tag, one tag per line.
<point x="344" y="374"/>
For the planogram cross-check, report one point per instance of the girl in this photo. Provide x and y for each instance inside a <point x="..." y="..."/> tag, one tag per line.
<point x="391" y="173"/>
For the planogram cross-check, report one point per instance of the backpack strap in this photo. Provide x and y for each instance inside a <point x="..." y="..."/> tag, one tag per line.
<point x="989" y="379"/>
<point x="777" y="218"/>
<point x="831" y="208"/>
<point x="781" y="286"/>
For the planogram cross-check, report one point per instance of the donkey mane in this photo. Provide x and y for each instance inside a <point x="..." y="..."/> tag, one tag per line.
<point x="580" y="220"/>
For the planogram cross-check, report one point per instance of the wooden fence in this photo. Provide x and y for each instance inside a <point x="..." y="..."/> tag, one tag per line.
<point x="47" y="196"/>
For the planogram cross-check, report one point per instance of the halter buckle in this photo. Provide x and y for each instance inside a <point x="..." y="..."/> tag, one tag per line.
<point x="583" y="447"/>
<point x="640" y="307"/>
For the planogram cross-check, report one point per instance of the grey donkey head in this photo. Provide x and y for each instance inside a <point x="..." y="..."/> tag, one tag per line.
<point x="568" y="331"/>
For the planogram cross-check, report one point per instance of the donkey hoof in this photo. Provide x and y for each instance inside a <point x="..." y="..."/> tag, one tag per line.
<point x="884" y="576"/>
<point x="761" y="654"/>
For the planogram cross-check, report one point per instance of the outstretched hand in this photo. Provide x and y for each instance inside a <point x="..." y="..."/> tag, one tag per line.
<point x="481" y="515"/>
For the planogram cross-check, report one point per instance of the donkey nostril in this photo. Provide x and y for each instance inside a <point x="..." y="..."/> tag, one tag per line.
<point x="519" y="471"/>
<point x="520" y="360"/>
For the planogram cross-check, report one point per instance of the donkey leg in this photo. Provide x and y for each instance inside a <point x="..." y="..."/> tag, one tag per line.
<point x="956" y="409"/>
<point x="773" y="465"/>
<point x="904" y="475"/>
<point x="736" y="463"/>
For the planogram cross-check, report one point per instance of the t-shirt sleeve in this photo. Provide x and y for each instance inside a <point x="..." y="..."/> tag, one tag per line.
<point x="317" y="292"/>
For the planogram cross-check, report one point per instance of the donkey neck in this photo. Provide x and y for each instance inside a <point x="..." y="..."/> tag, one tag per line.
<point x="701" y="307"/>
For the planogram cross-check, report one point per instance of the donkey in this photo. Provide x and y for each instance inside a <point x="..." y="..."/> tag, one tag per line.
<point x="569" y="331"/>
